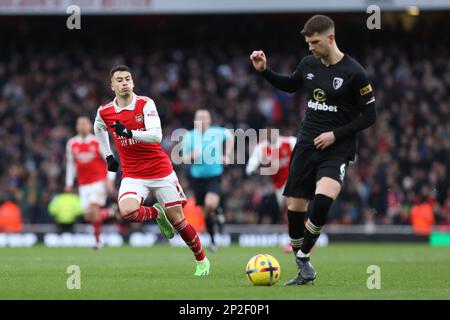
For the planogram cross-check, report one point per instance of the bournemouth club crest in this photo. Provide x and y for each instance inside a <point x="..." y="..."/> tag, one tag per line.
<point x="337" y="82"/>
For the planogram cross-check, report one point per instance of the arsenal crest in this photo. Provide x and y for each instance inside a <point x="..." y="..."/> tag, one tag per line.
<point x="337" y="82"/>
<point x="139" y="118"/>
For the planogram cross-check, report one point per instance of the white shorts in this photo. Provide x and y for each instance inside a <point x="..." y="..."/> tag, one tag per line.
<point x="93" y="193"/>
<point x="167" y="190"/>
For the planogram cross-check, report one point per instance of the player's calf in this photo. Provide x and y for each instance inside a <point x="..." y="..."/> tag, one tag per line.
<point x="296" y="227"/>
<point x="220" y="219"/>
<point x="186" y="231"/>
<point x="318" y="213"/>
<point x="210" y="221"/>
<point x="314" y="225"/>
<point x="93" y="216"/>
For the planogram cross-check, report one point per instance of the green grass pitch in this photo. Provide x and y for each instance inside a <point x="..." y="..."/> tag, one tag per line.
<point x="408" y="271"/>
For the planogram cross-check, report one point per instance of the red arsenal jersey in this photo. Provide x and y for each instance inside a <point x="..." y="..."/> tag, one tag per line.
<point x="139" y="160"/>
<point x="85" y="155"/>
<point x="282" y="151"/>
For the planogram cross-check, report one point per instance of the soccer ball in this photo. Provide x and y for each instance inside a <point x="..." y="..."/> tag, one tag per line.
<point x="263" y="270"/>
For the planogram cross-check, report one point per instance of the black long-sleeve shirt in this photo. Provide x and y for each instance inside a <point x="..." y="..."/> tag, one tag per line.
<point x="340" y="99"/>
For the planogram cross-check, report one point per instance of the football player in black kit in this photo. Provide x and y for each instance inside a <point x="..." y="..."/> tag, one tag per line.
<point x="340" y="103"/>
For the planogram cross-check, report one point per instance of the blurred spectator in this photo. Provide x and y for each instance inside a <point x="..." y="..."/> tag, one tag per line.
<point x="10" y="217"/>
<point x="66" y="208"/>
<point x="422" y="217"/>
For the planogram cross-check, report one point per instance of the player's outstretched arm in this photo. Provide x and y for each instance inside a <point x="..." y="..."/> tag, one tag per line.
<point x="70" y="169"/>
<point x="254" y="161"/>
<point x="101" y="133"/>
<point x="286" y="83"/>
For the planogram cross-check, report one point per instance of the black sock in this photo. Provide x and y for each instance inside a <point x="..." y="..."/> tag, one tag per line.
<point x="219" y="219"/>
<point x="209" y="221"/>
<point x="318" y="207"/>
<point x="296" y="226"/>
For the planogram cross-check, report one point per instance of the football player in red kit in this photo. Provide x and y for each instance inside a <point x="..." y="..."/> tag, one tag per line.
<point x="135" y="125"/>
<point x="275" y="150"/>
<point x="85" y="161"/>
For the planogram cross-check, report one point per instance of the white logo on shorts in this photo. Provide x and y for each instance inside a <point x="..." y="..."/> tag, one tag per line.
<point x="179" y="189"/>
<point x="342" y="169"/>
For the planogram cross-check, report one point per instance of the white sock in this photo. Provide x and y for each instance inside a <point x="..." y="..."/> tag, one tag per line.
<point x="202" y="260"/>
<point x="300" y="254"/>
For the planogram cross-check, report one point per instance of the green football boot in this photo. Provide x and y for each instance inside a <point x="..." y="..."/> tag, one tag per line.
<point x="164" y="223"/>
<point x="202" y="267"/>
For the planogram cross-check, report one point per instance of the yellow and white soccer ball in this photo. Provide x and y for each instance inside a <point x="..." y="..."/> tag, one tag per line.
<point x="263" y="270"/>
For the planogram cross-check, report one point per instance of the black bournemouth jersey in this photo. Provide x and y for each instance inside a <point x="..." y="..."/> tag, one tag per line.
<point x="337" y="96"/>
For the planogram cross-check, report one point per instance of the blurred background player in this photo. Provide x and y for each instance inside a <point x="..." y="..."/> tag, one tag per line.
<point x="274" y="151"/>
<point x="203" y="149"/>
<point x="135" y="125"/>
<point x="85" y="161"/>
<point x="340" y="104"/>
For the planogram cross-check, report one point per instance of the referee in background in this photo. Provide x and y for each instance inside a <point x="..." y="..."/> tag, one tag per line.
<point x="340" y="103"/>
<point x="203" y="147"/>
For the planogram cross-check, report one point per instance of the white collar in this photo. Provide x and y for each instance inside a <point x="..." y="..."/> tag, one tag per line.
<point x="128" y="107"/>
<point x="85" y="139"/>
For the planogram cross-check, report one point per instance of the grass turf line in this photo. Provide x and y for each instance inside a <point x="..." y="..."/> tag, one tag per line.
<point x="408" y="271"/>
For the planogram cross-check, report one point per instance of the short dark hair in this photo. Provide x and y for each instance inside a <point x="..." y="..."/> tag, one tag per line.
<point x="318" y="23"/>
<point x="120" y="67"/>
<point x="83" y="116"/>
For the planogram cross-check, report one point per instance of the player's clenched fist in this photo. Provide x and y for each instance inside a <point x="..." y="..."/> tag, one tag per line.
<point x="259" y="60"/>
<point x="121" y="131"/>
<point x="113" y="165"/>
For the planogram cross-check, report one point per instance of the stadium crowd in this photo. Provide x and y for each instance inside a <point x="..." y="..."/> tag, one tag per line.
<point x="403" y="163"/>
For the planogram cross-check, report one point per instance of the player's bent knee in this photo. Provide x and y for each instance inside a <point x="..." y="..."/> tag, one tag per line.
<point x="297" y="204"/>
<point x="328" y="187"/>
<point x="128" y="205"/>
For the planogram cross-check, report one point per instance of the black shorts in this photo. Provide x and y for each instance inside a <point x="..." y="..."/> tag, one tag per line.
<point x="307" y="166"/>
<point x="201" y="186"/>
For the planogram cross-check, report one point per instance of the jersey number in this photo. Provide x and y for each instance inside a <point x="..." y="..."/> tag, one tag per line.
<point x="342" y="169"/>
